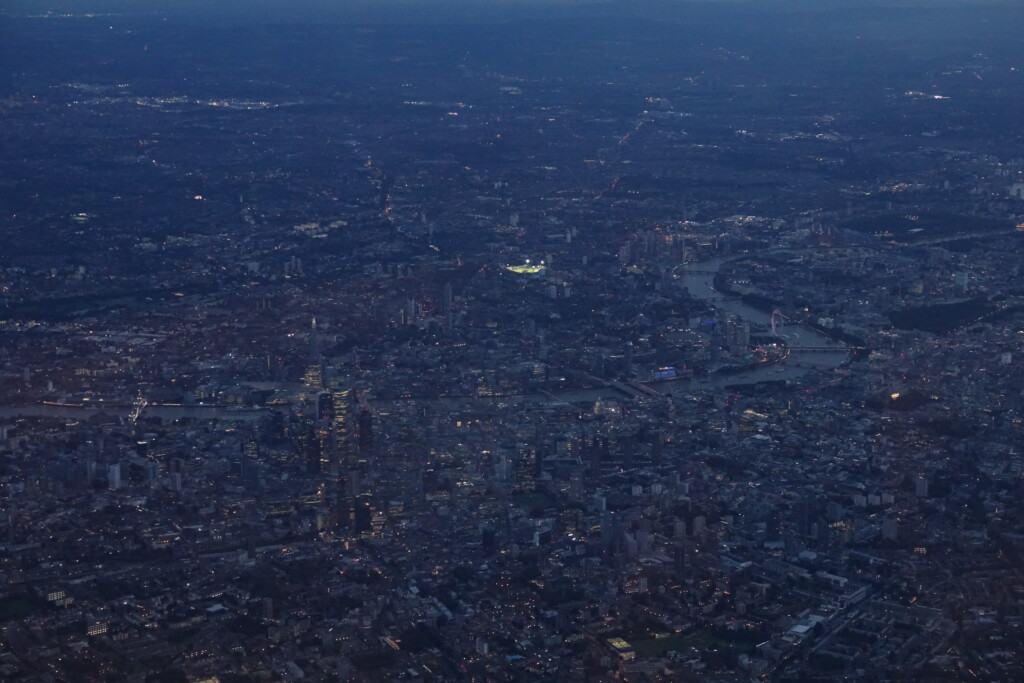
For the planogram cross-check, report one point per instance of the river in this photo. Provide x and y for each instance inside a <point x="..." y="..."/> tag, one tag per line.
<point x="698" y="278"/>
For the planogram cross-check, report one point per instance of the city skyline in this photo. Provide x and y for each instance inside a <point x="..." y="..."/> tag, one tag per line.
<point x="531" y="342"/>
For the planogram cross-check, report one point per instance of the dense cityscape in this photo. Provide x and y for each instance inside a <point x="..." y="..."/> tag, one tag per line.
<point x="542" y="343"/>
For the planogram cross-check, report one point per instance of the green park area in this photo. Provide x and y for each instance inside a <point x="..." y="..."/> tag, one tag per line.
<point x="658" y="647"/>
<point x="534" y="501"/>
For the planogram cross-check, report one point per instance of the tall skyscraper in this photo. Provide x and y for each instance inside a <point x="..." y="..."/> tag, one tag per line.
<point x="114" y="476"/>
<point x="365" y="424"/>
<point x="314" y="377"/>
<point x="342" y="404"/>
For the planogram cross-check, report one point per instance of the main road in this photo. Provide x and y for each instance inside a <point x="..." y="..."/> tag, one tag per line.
<point x="77" y="411"/>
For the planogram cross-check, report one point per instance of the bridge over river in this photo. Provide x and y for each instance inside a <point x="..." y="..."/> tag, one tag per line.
<point x="810" y="350"/>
